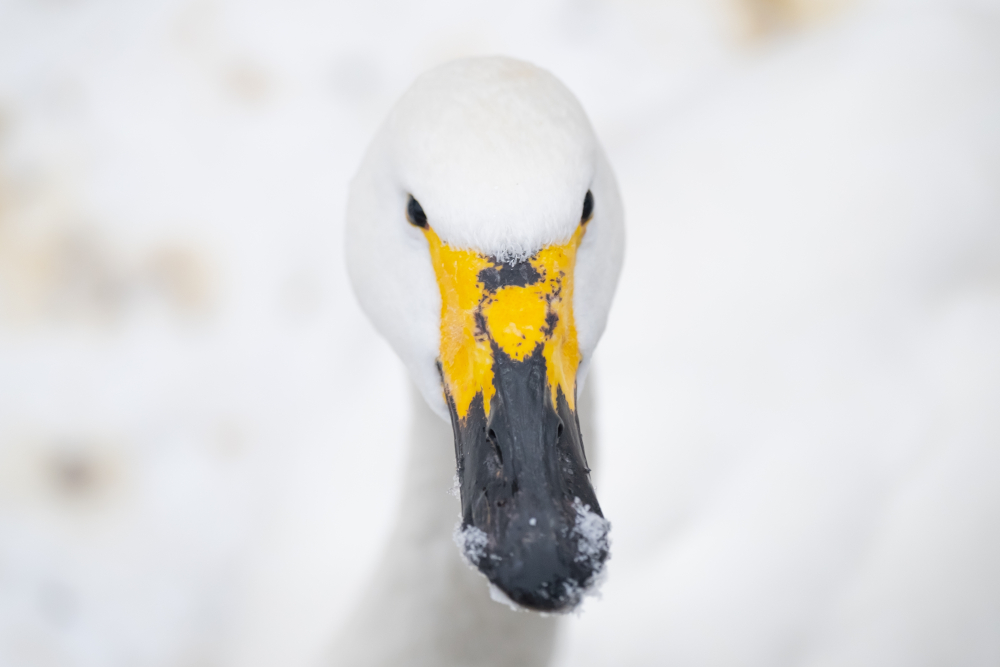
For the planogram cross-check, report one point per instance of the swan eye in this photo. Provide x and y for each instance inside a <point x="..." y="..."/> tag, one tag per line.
<point x="588" y="208"/>
<point x="415" y="213"/>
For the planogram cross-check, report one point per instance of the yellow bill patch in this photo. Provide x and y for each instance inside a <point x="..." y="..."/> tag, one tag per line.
<point x="517" y="318"/>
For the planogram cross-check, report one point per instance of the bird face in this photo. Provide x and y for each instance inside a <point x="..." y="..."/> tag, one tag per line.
<point x="484" y="241"/>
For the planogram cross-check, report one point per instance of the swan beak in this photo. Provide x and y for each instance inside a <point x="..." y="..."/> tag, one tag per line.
<point x="530" y="519"/>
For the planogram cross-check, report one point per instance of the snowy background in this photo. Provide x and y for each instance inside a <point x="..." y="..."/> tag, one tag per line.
<point x="798" y="389"/>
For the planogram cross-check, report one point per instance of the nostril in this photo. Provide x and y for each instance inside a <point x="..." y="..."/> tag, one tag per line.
<point x="496" y="445"/>
<point x="560" y="429"/>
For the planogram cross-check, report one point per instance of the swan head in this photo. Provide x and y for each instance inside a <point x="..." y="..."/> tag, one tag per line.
<point x="484" y="241"/>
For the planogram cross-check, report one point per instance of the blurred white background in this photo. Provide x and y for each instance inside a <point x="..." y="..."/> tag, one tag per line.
<point x="201" y="436"/>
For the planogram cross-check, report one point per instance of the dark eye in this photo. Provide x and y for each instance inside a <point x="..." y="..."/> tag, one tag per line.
<point x="588" y="208"/>
<point x="415" y="213"/>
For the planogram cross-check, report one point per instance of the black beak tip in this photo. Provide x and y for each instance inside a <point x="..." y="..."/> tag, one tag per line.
<point x="545" y="570"/>
<point x="559" y="592"/>
<point x="558" y="595"/>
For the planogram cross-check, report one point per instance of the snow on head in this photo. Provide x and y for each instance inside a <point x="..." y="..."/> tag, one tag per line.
<point x="471" y="542"/>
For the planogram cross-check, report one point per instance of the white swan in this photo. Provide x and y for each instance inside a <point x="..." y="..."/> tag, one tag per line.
<point x="484" y="240"/>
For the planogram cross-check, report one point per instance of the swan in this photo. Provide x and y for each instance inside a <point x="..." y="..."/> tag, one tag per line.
<point x="484" y="241"/>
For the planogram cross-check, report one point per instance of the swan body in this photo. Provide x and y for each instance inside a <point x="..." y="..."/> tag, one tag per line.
<point x="484" y="240"/>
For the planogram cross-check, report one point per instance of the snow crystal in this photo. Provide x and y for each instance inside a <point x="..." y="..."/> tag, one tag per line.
<point x="591" y="530"/>
<point x="456" y="487"/>
<point x="471" y="542"/>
